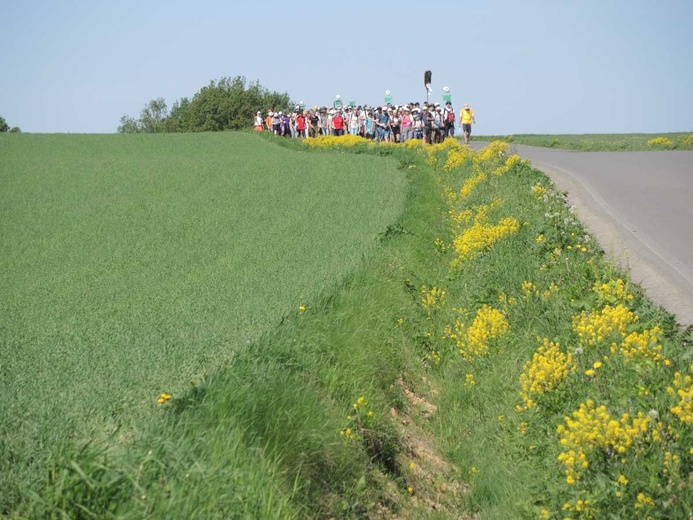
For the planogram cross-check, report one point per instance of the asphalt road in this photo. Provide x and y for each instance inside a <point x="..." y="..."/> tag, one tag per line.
<point x="639" y="207"/>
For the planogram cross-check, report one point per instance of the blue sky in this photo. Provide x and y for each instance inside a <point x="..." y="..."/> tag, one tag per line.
<point x="590" y="66"/>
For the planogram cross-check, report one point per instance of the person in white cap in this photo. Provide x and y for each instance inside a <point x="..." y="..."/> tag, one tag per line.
<point x="467" y="118"/>
<point x="257" y="124"/>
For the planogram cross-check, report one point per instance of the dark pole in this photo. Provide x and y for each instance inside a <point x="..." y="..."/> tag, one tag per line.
<point x="427" y="82"/>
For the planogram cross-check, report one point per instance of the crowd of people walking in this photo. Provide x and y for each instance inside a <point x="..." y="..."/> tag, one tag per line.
<point x="431" y="122"/>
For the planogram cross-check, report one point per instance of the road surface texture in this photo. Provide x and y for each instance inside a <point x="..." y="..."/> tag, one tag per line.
<point x="639" y="207"/>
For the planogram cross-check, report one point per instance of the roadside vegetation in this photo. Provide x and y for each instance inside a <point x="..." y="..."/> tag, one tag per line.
<point x="602" y="142"/>
<point x="482" y="361"/>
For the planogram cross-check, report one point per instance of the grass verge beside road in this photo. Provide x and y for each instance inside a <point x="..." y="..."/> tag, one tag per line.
<point x="602" y="142"/>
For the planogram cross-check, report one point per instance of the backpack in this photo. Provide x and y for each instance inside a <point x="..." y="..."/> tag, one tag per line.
<point x="451" y="117"/>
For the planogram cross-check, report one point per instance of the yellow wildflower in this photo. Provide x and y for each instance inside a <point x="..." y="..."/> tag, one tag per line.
<point x="546" y="370"/>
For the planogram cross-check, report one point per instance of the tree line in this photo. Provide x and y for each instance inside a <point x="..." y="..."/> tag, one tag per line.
<point x="226" y="104"/>
<point x="4" y="127"/>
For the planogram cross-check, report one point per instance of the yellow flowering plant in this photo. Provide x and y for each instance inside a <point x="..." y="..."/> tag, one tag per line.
<point x="547" y="369"/>
<point x="359" y="420"/>
<point x="473" y="341"/>
<point x="661" y="142"/>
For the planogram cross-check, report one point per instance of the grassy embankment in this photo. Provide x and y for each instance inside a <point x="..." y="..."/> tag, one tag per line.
<point x="602" y="142"/>
<point x="485" y="359"/>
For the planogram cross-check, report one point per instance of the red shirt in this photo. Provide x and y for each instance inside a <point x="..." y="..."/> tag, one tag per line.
<point x="300" y="123"/>
<point x="338" y="122"/>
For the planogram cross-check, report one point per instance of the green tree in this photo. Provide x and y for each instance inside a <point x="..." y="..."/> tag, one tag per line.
<point x="177" y="120"/>
<point x="4" y="127"/>
<point x="227" y="104"/>
<point x="129" y="125"/>
<point x="153" y="116"/>
<point x="15" y="130"/>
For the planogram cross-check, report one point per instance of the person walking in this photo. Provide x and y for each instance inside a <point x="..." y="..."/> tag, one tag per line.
<point x="301" y="124"/>
<point x="257" y="124"/>
<point x="382" y="125"/>
<point x="338" y="124"/>
<point x="467" y="118"/>
<point x="449" y="117"/>
<point x="353" y="122"/>
<point x="407" y="125"/>
<point x="276" y="122"/>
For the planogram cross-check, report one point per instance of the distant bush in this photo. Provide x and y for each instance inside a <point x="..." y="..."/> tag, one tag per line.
<point x="661" y="142"/>
<point x="4" y="127"/>
<point x="686" y="141"/>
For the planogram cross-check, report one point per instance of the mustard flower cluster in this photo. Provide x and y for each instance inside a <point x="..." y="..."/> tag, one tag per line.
<point x="510" y="163"/>
<point x="529" y="291"/>
<point x="612" y="292"/>
<point x="544" y="372"/>
<point x="415" y="144"/>
<point x="593" y="432"/>
<point x="332" y="141"/>
<point x="473" y="340"/>
<point x="432" y="299"/>
<point x="660" y="142"/>
<point x="493" y="153"/>
<point x="594" y="327"/>
<point x="470" y="184"/>
<point x="682" y="387"/>
<point x="460" y="217"/>
<point x="456" y="158"/>
<point x="450" y="144"/>
<point x="641" y="345"/>
<point x="540" y="190"/>
<point x="642" y="501"/>
<point x="164" y="398"/>
<point x="582" y="506"/>
<point x="481" y="236"/>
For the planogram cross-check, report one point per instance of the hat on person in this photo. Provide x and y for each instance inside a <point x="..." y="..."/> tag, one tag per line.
<point x="466" y="105"/>
<point x="270" y="113"/>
